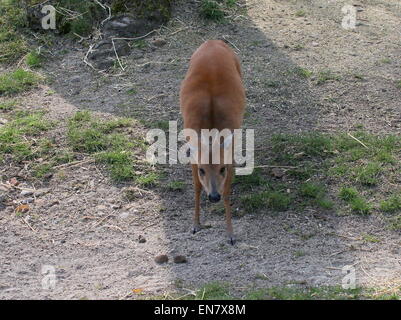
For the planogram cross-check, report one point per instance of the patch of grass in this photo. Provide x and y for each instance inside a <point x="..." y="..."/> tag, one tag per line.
<point x="385" y="60"/>
<point x="299" y="253"/>
<point x="370" y="238"/>
<point x="368" y="174"/>
<point x="348" y="193"/>
<point x="360" y="206"/>
<point x="337" y="158"/>
<point x="13" y="45"/>
<point x="158" y="124"/>
<point x="303" y="173"/>
<point x="213" y="291"/>
<point x="304" y="293"/>
<point x="299" y="47"/>
<point x="302" y="72"/>
<point x="271" y="83"/>
<point x="17" y="81"/>
<point x="8" y="105"/>
<point x="34" y="59"/>
<point x="300" y="13"/>
<point x="275" y="200"/>
<point x="14" y="136"/>
<point x="119" y="163"/>
<point x="41" y="170"/>
<point x="392" y="204"/>
<point x="176" y="186"/>
<point x="357" y="204"/>
<point x="324" y="203"/>
<point x="216" y="10"/>
<point x="247" y="182"/>
<point x="395" y="223"/>
<point x="148" y="180"/>
<point x="287" y="147"/>
<point x="212" y="10"/>
<point x="82" y="24"/>
<point x="132" y="91"/>
<point x="99" y="137"/>
<point x="358" y="76"/>
<point x="310" y="190"/>
<point x="326" y="75"/>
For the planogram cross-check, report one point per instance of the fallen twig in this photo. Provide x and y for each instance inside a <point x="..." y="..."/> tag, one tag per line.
<point x="74" y="163"/>
<point x="115" y="52"/>
<point x="86" y="57"/>
<point x="356" y="139"/>
<point x="28" y="224"/>
<point x="284" y="167"/>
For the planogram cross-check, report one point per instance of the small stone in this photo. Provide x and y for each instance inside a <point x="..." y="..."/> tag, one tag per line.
<point x="180" y="259"/>
<point x="53" y="203"/>
<point x="161" y="259"/>
<point x="141" y="239"/>
<point x="124" y="215"/>
<point x="159" y="42"/>
<point x="14" y="182"/>
<point x="28" y="200"/>
<point x="277" y="172"/>
<point x="26" y="193"/>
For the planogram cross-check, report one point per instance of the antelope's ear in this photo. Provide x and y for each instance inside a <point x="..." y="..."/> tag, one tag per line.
<point x="227" y="141"/>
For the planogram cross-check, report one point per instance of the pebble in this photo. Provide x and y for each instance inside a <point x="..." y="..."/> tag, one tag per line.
<point x="180" y="259"/>
<point x="161" y="259"/>
<point x="124" y="215"/>
<point x="277" y="172"/>
<point x="26" y="193"/>
<point x="28" y="200"/>
<point x="141" y="239"/>
<point x="159" y="42"/>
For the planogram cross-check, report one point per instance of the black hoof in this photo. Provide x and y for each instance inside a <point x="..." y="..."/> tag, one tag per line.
<point x="195" y="229"/>
<point x="232" y="240"/>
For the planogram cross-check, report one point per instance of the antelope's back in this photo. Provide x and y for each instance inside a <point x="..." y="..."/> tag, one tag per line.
<point x="212" y="94"/>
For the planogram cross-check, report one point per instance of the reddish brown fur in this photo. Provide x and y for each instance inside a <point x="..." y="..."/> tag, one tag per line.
<point x="212" y="96"/>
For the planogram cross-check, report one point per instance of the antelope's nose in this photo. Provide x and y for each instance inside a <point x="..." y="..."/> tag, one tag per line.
<point x="214" y="197"/>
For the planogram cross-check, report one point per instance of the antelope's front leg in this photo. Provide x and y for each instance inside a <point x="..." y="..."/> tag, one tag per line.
<point x="227" y="205"/>
<point x="197" y="189"/>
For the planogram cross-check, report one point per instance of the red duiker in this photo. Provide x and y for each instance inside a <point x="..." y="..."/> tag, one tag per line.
<point x="212" y="97"/>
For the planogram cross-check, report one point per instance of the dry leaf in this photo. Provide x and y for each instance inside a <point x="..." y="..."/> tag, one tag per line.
<point x="14" y="182"/>
<point x="137" y="291"/>
<point x="22" y="208"/>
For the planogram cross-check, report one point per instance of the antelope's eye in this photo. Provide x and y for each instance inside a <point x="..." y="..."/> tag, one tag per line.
<point x="223" y="170"/>
<point x="201" y="172"/>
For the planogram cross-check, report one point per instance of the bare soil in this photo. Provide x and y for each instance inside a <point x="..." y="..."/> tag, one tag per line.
<point x="83" y="226"/>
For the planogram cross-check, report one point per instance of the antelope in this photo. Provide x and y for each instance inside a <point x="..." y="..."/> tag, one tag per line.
<point x="212" y="97"/>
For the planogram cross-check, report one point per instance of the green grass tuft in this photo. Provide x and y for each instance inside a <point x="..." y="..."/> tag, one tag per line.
<point x="213" y="291"/>
<point x="348" y="193"/>
<point x="212" y="10"/>
<point x="392" y="204"/>
<point x="17" y="81"/>
<point x="327" y="75"/>
<point x="33" y="59"/>
<point x="176" y="185"/>
<point x="100" y="137"/>
<point x="275" y="200"/>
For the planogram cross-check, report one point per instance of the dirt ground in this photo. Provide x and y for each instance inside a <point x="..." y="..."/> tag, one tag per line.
<point x="89" y="232"/>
